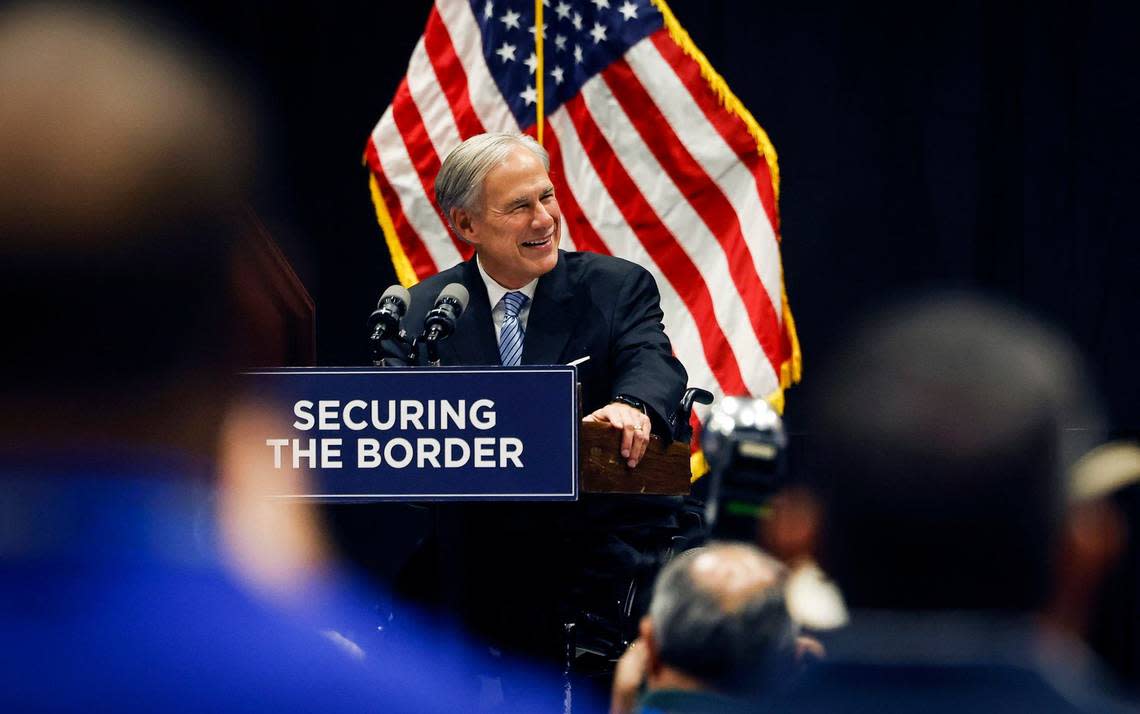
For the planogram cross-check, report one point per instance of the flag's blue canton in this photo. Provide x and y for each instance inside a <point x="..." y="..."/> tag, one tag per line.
<point x="580" y="38"/>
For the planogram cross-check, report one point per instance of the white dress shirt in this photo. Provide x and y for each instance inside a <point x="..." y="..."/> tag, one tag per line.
<point x="495" y="293"/>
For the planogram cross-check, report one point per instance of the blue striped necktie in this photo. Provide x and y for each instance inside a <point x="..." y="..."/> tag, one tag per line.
<point x="511" y="333"/>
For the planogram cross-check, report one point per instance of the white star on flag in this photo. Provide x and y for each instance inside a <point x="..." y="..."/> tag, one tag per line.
<point x="507" y="52"/>
<point x="531" y="62"/>
<point x="563" y="10"/>
<point x="577" y="21"/>
<point x="560" y="42"/>
<point x="511" y="20"/>
<point x="529" y="95"/>
<point x="628" y="10"/>
<point x="557" y="74"/>
<point x="598" y="33"/>
<point x="578" y="54"/>
<point x="601" y="4"/>
<point x="488" y="10"/>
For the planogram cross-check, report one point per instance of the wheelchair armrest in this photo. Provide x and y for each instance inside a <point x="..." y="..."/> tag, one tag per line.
<point x="679" y="425"/>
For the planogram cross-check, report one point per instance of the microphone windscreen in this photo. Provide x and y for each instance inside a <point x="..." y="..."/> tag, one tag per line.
<point x="458" y="293"/>
<point x="402" y="296"/>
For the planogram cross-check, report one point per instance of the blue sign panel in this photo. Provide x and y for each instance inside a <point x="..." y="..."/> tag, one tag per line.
<point x="419" y="434"/>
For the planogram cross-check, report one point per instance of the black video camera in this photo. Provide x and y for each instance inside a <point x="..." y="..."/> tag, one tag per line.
<point x="745" y="445"/>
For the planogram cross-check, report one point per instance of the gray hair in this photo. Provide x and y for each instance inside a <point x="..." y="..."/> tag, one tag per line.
<point x="738" y="650"/>
<point x="459" y="183"/>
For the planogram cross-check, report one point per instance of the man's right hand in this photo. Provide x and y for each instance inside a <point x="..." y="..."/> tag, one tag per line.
<point x="634" y="425"/>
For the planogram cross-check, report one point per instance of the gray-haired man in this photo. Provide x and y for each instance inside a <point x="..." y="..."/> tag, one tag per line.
<point x="717" y="637"/>
<point x="532" y="303"/>
<point x="514" y="569"/>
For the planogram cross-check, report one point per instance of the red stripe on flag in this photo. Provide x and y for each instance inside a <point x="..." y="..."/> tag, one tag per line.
<point x="585" y="237"/>
<point x="730" y="127"/>
<point x="410" y="124"/>
<point x="451" y="75"/>
<point x="706" y="198"/>
<point x="675" y="265"/>
<point x="410" y="241"/>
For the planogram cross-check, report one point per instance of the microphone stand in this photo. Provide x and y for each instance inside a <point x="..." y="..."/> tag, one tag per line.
<point x="382" y="357"/>
<point x="431" y="339"/>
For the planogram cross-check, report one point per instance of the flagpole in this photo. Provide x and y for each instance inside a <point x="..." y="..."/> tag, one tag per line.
<point x="539" y="69"/>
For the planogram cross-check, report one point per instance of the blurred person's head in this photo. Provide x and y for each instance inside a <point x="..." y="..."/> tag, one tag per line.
<point x="1098" y="593"/>
<point x="718" y="622"/>
<point x="123" y="162"/>
<point x="941" y="433"/>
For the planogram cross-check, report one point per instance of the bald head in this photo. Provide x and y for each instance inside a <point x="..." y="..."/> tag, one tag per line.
<point x="734" y="574"/>
<point x="718" y="615"/>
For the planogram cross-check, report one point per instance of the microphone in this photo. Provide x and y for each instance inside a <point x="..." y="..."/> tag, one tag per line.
<point x="449" y="305"/>
<point x="384" y="322"/>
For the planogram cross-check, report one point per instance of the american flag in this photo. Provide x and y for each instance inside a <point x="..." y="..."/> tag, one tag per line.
<point x="652" y="156"/>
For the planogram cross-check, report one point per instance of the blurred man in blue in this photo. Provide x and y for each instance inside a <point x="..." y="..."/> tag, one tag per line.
<point x="122" y="167"/>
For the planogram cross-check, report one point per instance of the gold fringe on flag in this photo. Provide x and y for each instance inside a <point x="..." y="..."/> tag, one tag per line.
<point x="404" y="271"/>
<point x="698" y="465"/>
<point x="792" y="369"/>
<point x="727" y="99"/>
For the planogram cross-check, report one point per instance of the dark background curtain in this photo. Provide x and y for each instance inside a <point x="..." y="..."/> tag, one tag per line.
<point x="983" y="145"/>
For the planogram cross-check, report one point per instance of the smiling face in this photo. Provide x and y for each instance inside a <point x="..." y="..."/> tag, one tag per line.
<point x="517" y="228"/>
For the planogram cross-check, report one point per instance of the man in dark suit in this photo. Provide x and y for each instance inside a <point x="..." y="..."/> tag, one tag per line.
<point x="531" y="303"/>
<point x="496" y="193"/>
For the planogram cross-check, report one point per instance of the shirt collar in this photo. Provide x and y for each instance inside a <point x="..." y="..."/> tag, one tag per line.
<point x="495" y="292"/>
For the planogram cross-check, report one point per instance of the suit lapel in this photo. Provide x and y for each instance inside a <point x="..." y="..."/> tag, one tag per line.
<point x="553" y="316"/>
<point x="474" y="341"/>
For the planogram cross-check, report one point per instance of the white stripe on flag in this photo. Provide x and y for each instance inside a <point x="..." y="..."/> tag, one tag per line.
<point x="465" y="37"/>
<point x="716" y="157"/>
<point x="566" y="243"/>
<point x="690" y="231"/>
<point x="421" y="215"/>
<point x="424" y="88"/>
<point x="610" y="225"/>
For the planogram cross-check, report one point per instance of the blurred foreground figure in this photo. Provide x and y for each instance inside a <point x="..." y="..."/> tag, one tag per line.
<point x="717" y="637"/>
<point x="1098" y="598"/>
<point x="122" y="163"/>
<point x="940" y="439"/>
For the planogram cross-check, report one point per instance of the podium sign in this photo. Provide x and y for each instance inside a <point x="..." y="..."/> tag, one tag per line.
<point x="422" y="433"/>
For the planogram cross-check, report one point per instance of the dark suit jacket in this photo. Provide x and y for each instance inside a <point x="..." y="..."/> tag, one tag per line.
<point x="589" y="305"/>
<point x="511" y="570"/>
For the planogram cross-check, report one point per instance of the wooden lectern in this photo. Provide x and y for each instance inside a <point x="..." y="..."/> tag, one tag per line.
<point x="664" y="470"/>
